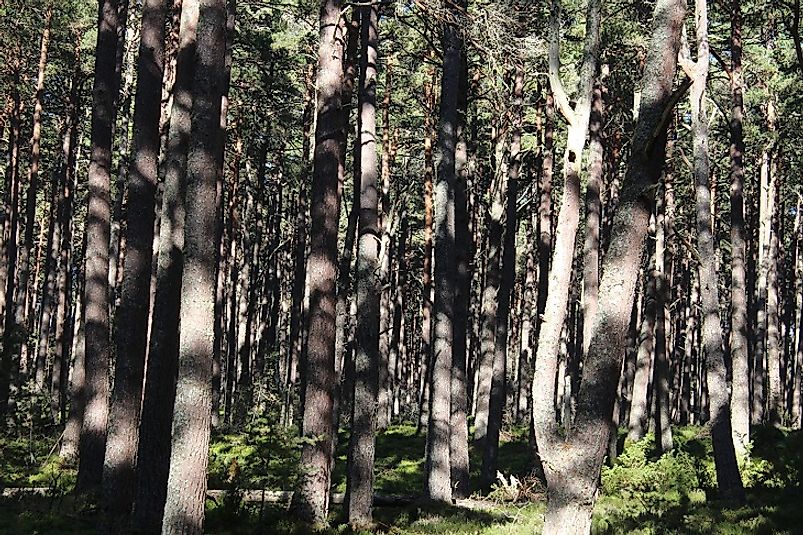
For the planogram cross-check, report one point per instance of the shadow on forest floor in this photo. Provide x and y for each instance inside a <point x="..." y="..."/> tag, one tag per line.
<point x="642" y="492"/>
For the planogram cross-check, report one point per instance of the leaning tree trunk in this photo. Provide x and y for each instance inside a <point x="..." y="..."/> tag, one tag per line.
<point x="312" y="498"/>
<point x="549" y="336"/>
<point x="186" y="483"/>
<point x="96" y="300"/>
<point x="728" y="478"/>
<point x="573" y="464"/>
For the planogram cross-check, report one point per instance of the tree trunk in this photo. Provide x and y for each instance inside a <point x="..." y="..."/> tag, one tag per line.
<point x="312" y="499"/>
<point x="153" y="450"/>
<point x="438" y="477"/>
<point x="186" y="484"/>
<point x="568" y="219"/>
<point x="132" y="340"/>
<point x="740" y="396"/>
<point x="508" y="277"/>
<point x="660" y="379"/>
<point x="573" y="473"/>
<point x="458" y="445"/>
<point x="96" y="300"/>
<point x="728" y="478"/>
<point x="366" y="359"/>
<point x="426" y="277"/>
<point x="25" y="318"/>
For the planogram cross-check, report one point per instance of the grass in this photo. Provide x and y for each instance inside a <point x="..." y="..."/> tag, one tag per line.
<point x="641" y="493"/>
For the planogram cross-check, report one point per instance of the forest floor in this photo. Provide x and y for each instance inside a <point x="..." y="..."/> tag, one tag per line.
<point x="641" y="493"/>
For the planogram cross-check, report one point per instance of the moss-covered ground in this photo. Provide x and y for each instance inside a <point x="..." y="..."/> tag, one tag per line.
<point x="641" y="492"/>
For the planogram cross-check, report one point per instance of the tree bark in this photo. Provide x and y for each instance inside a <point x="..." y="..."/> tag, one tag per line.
<point x="546" y="361"/>
<point x="312" y="500"/>
<point x="572" y="465"/>
<point x="366" y="359"/>
<point x="153" y="450"/>
<point x="186" y="484"/>
<point x="96" y="299"/>
<point x="740" y="396"/>
<point x="25" y="318"/>
<point x="438" y="477"/>
<point x="728" y="478"/>
<point x="119" y="478"/>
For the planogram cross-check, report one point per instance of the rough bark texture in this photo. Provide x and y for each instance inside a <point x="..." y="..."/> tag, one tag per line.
<point x="153" y="452"/>
<point x="573" y="473"/>
<point x="728" y="478"/>
<point x="24" y="288"/>
<point x="458" y="448"/>
<point x="496" y="406"/>
<point x="438" y="476"/>
<point x="360" y="481"/>
<point x="96" y="297"/>
<point x="119" y="478"/>
<point x="186" y="484"/>
<point x="312" y="499"/>
<point x="740" y="396"/>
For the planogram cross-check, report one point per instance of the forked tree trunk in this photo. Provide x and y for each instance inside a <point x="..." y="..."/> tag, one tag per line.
<point x="549" y="336"/>
<point x="728" y="478"/>
<point x="572" y="464"/>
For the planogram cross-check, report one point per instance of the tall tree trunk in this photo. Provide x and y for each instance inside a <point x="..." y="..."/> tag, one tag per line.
<point x="573" y="464"/>
<point x="426" y="277"/>
<point x="186" y="483"/>
<point x="312" y="498"/>
<point x="740" y="396"/>
<point x="660" y="378"/>
<point x="728" y="478"/>
<point x="490" y="292"/>
<point x="24" y="317"/>
<point x="153" y="450"/>
<point x="438" y="476"/>
<point x="498" y="395"/>
<point x="366" y="359"/>
<point x="546" y="362"/>
<point x="132" y="340"/>
<point x="640" y="406"/>
<point x="458" y="445"/>
<point x="10" y="234"/>
<point x="593" y="214"/>
<point x="96" y="300"/>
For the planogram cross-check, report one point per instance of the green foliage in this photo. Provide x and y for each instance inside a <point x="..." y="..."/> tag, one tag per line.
<point x="642" y="483"/>
<point x="264" y="456"/>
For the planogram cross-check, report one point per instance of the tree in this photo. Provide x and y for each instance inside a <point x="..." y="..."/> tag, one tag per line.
<point x="132" y="340"/>
<point x="96" y="292"/>
<point x="572" y="464"/>
<point x="438" y="473"/>
<point x="186" y="483"/>
<point x="153" y="452"/>
<point x="728" y="477"/>
<point x="366" y="358"/>
<point x="312" y="498"/>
